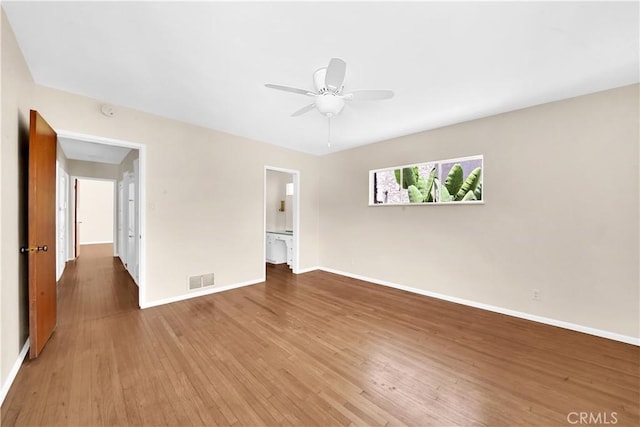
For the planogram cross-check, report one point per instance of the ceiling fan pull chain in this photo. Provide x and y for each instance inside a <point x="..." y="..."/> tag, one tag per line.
<point x="329" y="131"/>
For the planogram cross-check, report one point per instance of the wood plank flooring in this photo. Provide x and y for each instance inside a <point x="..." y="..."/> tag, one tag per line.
<point x="314" y="349"/>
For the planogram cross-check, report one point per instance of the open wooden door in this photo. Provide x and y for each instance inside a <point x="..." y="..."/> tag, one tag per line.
<point x="42" y="233"/>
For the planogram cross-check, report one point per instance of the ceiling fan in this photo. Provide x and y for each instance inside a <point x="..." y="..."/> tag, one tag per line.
<point x="329" y="96"/>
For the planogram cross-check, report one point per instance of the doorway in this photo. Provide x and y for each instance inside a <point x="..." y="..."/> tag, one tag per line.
<point x="95" y="209"/>
<point x="128" y="210"/>
<point x="282" y="217"/>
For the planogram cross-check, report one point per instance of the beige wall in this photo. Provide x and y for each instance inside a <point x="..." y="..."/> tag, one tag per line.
<point x="16" y="99"/>
<point x="84" y="169"/>
<point x="95" y="211"/>
<point x="561" y="213"/>
<point x="276" y="186"/>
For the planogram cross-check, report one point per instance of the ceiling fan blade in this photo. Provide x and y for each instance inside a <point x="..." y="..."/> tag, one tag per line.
<point x="303" y="110"/>
<point x="319" y="78"/>
<point x="335" y="74"/>
<point x="290" y="89"/>
<point x="369" y="95"/>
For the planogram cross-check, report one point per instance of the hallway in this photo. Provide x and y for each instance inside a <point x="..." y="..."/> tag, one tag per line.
<point x="96" y="285"/>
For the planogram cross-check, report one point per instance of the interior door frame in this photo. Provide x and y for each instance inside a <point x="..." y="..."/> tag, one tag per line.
<point x="136" y="206"/>
<point x="295" y="267"/>
<point x="142" y="200"/>
<point x="131" y="263"/>
<point x="76" y="227"/>
<point x="60" y="173"/>
<point x="119" y="250"/>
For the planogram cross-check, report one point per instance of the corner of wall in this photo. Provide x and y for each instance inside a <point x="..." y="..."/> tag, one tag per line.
<point x="17" y="91"/>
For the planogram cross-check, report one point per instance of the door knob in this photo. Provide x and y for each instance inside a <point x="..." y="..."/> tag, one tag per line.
<point x="26" y="250"/>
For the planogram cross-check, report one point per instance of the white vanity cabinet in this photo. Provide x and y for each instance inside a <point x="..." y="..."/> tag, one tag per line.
<point x="279" y="248"/>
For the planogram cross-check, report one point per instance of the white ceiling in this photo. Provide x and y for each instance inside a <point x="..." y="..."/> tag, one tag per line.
<point x="90" y="152"/>
<point x="206" y="63"/>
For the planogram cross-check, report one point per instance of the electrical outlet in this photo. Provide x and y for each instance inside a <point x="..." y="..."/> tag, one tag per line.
<point x="535" y="294"/>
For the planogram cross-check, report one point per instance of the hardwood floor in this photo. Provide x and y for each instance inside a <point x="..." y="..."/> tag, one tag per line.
<point x="313" y="349"/>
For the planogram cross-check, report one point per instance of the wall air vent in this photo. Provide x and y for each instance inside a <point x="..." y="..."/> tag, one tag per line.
<point x="208" y="280"/>
<point x="199" y="282"/>
<point x="195" y="282"/>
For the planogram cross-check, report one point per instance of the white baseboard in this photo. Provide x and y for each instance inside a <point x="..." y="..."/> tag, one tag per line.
<point x="307" y="270"/>
<point x="14" y="371"/>
<point x="96" y="243"/>
<point x="201" y="293"/>
<point x="547" y="321"/>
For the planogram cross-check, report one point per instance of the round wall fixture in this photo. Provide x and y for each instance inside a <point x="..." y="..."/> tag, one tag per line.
<point x="108" y="110"/>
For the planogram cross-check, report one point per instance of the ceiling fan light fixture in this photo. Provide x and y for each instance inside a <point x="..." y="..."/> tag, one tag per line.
<point x="329" y="104"/>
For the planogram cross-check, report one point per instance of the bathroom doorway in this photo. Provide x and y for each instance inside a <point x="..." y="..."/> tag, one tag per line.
<point x="281" y="218"/>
